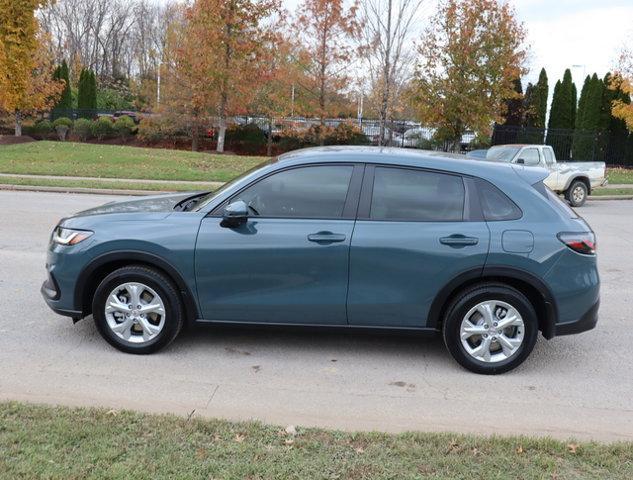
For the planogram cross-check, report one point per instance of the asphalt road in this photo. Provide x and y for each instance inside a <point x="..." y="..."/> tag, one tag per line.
<point x="579" y="386"/>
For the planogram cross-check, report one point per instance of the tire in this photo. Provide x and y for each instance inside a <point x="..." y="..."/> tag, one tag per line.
<point x="138" y="332"/>
<point x="467" y="305"/>
<point x="577" y="193"/>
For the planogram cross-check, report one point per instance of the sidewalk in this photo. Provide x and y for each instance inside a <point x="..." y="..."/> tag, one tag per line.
<point x="212" y="185"/>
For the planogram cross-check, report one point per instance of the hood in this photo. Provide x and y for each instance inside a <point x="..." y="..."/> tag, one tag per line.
<point x="152" y="204"/>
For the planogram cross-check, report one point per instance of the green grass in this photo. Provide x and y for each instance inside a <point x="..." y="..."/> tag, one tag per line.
<point x="620" y="175"/>
<point x="104" y="184"/>
<point x="64" y="443"/>
<point x="114" y="161"/>
<point x="598" y="192"/>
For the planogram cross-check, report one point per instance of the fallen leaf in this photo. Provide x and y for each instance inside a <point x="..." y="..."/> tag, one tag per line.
<point x="291" y="430"/>
<point x="112" y="413"/>
<point x="572" y="447"/>
<point x="520" y="450"/>
<point x="289" y="441"/>
<point x="239" y="438"/>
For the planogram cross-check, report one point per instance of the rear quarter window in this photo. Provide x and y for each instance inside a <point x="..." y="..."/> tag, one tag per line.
<point x="495" y="205"/>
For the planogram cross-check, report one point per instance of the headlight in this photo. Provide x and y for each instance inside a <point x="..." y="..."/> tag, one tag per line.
<point x="68" y="236"/>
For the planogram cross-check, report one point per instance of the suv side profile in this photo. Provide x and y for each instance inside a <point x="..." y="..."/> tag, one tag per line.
<point x="339" y="237"/>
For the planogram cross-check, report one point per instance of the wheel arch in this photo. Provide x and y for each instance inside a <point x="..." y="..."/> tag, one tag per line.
<point x="100" y="267"/>
<point x="583" y="178"/>
<point x="531" y="286"/>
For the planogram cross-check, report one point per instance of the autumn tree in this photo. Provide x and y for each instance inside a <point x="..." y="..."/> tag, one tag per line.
<point x="623" y="80"/>
<point x="386" y="29"/>
<point x="219" y="54"/>
<point x="25" y="67"/>
<point x="326" y="29"/>
<point x="470" y="54"/>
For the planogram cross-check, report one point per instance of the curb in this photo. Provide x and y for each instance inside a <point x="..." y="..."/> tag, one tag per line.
<point x="610" y="197"/>
<point x="94" y="191"/>
<point x="113" y="191"/>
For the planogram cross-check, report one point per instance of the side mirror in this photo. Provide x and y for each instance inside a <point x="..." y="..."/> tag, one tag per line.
<point x="235" y="214"/>
<point x="520" y="161"/>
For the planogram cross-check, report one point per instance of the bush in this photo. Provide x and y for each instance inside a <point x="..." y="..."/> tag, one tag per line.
<point x="62" y="125"/>
<point x="343" y="134"/>
<point x="102" y="128"/>
<point x="156" y="128"/>
<point x="43" y="128"/>
<point x="124" y="127"/>
<point x="247" y="138"/>
<point x="83" y="129"/>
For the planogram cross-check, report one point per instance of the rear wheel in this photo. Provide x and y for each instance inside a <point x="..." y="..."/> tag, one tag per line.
<point x="490" y="328"/>
<point x="137" y="309"/>
<point x="577" y="193"/>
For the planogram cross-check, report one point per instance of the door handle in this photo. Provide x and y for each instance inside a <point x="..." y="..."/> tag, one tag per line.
<point x="326" y="237"/>
<point x="459" y="241"/>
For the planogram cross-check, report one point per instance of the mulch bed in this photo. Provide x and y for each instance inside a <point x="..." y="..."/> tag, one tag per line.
<point x="13" y="140"/>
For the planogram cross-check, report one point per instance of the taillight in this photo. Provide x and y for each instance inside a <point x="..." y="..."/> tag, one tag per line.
<point x="584" y="243"/>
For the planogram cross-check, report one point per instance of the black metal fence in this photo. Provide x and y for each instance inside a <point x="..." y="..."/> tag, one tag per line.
<point x="572" y="145"/>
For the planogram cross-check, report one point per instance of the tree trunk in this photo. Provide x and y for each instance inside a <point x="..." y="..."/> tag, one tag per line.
<point x="269" y="143"/>
<point x="18" y="123"/>
<point x="386" y="80"/>
<point x="221" y="133"/>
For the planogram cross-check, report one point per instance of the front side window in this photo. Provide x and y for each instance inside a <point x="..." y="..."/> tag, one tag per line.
<point x="416" y="195"/>
<point x="306" y="192"/>
<point x="530" y="156"/>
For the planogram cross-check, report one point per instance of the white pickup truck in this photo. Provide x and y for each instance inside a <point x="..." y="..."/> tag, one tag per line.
<point x="573" y="179"/>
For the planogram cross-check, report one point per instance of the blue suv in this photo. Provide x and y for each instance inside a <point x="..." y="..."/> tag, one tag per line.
<point x="347" y="237"/>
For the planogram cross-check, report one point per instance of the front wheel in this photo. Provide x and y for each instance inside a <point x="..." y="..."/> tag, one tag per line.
<point x="490" y="328"/>
<point x="137" y="309"/>
<point x="577" y="193"/>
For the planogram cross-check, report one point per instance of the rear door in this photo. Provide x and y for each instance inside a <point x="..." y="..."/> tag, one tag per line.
<point x="416" y="231"/>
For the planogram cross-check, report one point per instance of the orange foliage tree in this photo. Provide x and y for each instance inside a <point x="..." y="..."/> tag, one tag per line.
<point x="26" y="83"/>
<point x="326" y="30"/>
<point x="470" y="54"/>
<point x="623" y="80"/>
<point x="218" y="55"/>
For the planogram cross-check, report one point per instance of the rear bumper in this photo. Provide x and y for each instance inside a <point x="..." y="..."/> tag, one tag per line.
<point x="584" y="323"/>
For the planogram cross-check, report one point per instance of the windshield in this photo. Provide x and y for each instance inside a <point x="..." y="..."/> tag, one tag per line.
<point x="210" y="196"/>
<point x="501" y="154"/>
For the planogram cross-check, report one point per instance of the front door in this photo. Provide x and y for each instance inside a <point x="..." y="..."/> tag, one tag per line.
<point x="412" y="237"/>
<point x="289" y="262"/>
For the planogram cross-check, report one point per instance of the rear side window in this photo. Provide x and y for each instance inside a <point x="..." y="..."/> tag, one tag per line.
<point x="416" y="195"/>
<point x="495" y="205"/>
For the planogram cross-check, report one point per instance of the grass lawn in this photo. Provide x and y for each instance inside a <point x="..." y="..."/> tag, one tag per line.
<point x="64" y="443"/>
<point x="597" y="192"/>
<point x="620" y="175"/>
<point x="104" y="184"/>
<point x="114" y="161"/>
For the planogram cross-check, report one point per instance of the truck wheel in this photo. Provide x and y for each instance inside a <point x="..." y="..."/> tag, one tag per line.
<point x="576" y="194"/>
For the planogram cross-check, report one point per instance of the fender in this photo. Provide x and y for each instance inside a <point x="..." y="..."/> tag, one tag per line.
<point x="131" y="256"/>
<point x="493" y="272"/>
<point x="578" y="176"/>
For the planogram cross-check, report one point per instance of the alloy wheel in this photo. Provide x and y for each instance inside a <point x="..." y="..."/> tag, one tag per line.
<point x="135" y="312"/>
<point x="492" y="331"/>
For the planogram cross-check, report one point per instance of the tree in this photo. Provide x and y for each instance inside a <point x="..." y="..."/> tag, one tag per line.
<point x="471" y="53"/>
<point x="588" y="118"/>
<point x="535" y="109"/>
<point x="25" y="67"/>
<point x="65" y="102"/>
<point x="623" y="80"/>
<point x="561" y="117"/>
<point x="219" y="54"/>
<point x="514" y="106"/>
<point x="325" y="29"/>
<point x="87" y="94"/>
<point x="385" y="36"/>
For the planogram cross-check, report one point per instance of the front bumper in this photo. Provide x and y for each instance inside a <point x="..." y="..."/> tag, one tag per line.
<point x="584" y="323"/>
